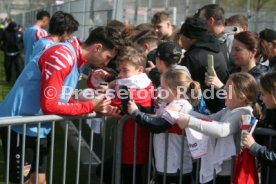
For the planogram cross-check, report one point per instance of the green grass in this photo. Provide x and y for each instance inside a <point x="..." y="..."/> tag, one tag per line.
<point x="58" y="150"/>
<point x="4" y="87"/>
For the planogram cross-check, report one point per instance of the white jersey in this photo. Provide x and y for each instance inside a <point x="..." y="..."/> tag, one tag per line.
<point x="174" y="145"/>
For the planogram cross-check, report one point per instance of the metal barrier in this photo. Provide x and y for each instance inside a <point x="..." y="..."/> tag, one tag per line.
<point x="259" y="131"/>
<point x="150" y="174"/>
<point x="271" y="134"/>
<point x="24" y="121"/>
<point x="93" y="158"/>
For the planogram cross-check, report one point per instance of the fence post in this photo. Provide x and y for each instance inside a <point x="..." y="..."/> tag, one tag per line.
<point x="118" y="155"/>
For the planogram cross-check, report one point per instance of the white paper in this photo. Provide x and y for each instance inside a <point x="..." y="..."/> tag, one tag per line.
<point x="198" y="143"/>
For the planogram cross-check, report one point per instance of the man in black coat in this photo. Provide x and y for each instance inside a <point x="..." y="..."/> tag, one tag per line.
<point x="10" y="43"/>
<point x="198" y="43"/>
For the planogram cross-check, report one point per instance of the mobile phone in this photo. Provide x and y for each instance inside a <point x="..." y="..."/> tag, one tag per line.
<point x="124" y="97"/>
<point x="210" y="65"/>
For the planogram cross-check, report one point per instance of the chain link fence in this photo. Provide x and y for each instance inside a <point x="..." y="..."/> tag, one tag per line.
<point x="93" y="13"/>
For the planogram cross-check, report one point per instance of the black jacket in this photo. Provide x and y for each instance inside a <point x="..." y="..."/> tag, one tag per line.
<point x="264" y="154"/>
<point x="11" y="41"/>
<point x="256" y="71"/>
<point x="272" y="63"/>
<point x="195" y="59"/>
<point x="267" y="154"/>
<point x="151" y="122"/>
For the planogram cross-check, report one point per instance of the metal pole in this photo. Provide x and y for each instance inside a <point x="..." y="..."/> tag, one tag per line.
<point x="182" y="156"/>
<point x="8" y="154"/>
<point x="114" y="11"/>
<point x="69" y="6"/>
<point x="114" y="152"/>
<point x="187" y="7"/>
<point x="197" y="170"/>
<point x="248" y="12"/>
<point x="248" y="8"/>
<point x="166" y="5"/>
<point x="150" y="157"/>
<point x="79" y="151"/>
<point x="134" y="154"/>
<point x="149" y="11"/>
<point x="52" y="152"/>
<point x="136" y="9"/>
<point x="23" y="153"/>
<point x="166" y="157"/>
<point x="37" y="153"/>
<point x="90" y="156"/>
<point x="118" y="156"/>
<point x="103" y="149"/>
<point x="84" y="12"/>
<point x="65" y="153"/>
<point x="268" y="167"/>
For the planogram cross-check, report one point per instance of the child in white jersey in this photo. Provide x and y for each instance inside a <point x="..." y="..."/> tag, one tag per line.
<point x="175" y="85"/>
<point x="223" y="127"/>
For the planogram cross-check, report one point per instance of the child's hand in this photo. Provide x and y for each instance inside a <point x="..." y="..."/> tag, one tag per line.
<point x="100" y="74"/>
<point x="174" y="108"/>
<point x="131" y="107"/>
<point x="183" y="120"/>
<point x="112" y="111"/>
<point x="247" y="139"/>
<point x="213" y="80"/>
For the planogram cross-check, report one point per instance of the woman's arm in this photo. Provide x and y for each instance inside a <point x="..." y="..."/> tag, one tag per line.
<point x="261" y="152"/>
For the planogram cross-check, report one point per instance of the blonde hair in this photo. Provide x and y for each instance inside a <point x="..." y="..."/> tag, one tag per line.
<point x="246" y="85"/>
<point x="176" y="78"/>
<point x="132" y="56"/>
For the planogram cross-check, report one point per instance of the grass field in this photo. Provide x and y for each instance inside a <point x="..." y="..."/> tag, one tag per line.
<point x="58" y="151"/>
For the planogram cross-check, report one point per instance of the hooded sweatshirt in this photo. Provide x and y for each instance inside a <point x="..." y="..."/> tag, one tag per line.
<point x="195" y="59"/>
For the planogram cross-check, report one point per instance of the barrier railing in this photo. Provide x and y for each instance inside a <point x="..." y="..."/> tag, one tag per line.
<point x="271" y="134"/>
<point x="8" y="122"/>
<point x="259" y="131"/>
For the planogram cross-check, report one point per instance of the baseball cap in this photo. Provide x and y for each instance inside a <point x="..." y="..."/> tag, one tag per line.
<point x="268" y="34"/>
<point x="169" y="52"/>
